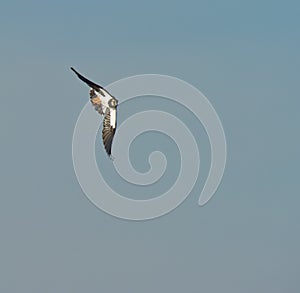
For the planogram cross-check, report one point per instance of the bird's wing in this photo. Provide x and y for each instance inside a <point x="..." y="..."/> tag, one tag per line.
<point x="100" y="109"/>
<point x="96" y="101"/>
<point x="93" y="85"/>
<point x="109" y="128"/>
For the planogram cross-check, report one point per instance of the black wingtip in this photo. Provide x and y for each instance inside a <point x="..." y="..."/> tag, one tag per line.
<point x="73" y="70"/>
<point x="87" y="81"/>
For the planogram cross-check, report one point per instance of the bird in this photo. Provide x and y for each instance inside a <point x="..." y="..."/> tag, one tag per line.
<point x="106" y="105"/>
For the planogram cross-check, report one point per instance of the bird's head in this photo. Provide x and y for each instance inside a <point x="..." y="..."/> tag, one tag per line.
<point x="113" y="103"/>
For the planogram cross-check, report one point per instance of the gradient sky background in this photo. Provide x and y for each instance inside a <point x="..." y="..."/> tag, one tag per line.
<point x="243" y="55"/>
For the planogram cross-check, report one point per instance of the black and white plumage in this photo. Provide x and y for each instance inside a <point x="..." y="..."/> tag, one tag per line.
<point x="105" y="104"/>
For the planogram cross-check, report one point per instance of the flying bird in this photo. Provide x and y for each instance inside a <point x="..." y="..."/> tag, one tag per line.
<point x="106" y="105"/>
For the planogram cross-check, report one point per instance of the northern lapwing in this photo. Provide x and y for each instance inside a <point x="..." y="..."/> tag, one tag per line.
<point x="105" y="104"/>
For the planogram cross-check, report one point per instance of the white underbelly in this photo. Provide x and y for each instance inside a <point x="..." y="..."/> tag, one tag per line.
<point x="113" y="118"/>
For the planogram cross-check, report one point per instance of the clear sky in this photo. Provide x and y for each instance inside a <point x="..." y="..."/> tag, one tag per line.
<point x="243" y="55"/>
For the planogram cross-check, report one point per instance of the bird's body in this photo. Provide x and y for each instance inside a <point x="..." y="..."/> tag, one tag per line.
<point x="105" y="104"/>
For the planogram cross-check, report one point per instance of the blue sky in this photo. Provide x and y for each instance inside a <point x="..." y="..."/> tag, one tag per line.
<point x="244" y="56"/>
